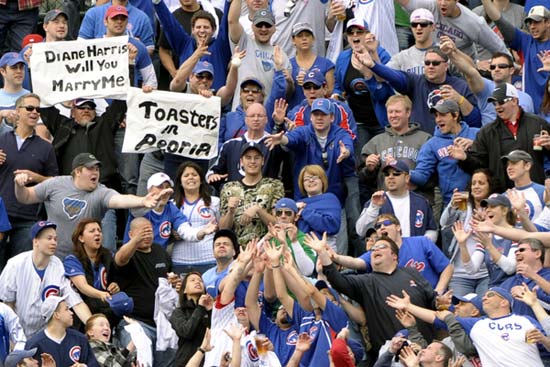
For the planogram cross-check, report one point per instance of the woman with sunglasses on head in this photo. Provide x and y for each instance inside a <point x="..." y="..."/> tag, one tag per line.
<point x="319" y="211"/>
<point x="90" y="267"/>
<point x="461" y="208"/>
<point x="192" y="197"/>
<point x="305" y="60"/>
<point x="495" y="252"/>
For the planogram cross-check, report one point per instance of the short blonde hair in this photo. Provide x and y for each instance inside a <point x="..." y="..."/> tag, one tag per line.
<point x="315" y="170"/>
<point x="400" y="98"/>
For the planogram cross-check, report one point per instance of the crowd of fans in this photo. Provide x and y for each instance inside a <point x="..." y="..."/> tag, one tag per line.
<point x="379" y="197"/>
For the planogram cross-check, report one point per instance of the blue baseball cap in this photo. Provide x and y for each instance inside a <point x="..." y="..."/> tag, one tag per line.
<point x="399" y="166"/>
<point x="18" y="355"/>
<point x="503" y="293"/>
<point x="472" y="298"/>
<point x="496" y="200"/>
<point x="323" y="105"/>
<point x="403" y="333"/>
<point x="321" y="284"/>
<point x="11" y="59"/>
<point x="357" y="350"/>
<point x="286" y="203"/>
<point x="252" y="80"/>
<point x="121" y="304"/>
<point x="203" y="66"/>
<point x="39" y="226"/>
<point x="315" y="76"/>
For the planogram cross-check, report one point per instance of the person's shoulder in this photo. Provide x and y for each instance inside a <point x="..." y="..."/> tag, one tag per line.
<point x="268" y="181"/>
<point x="36" y="339"/>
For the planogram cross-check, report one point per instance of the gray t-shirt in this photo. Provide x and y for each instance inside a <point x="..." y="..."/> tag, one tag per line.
<point x="67" y="205"/>
<point x="465" y="30"/>
<point x="410" y="60"/>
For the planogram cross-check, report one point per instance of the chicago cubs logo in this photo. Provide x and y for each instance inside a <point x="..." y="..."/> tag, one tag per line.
<point x="73" y="207"/>
<point x="204" y="212"/>
<point x="433" y="98"/>
<point x="412" y="283"/>
<point x="74" y="353"/>
<point x="418" y="265"/>
<point x="103" y="277"/>
<point x="419" y="219"/>
<point x="292" y="338"/>
<point x="359" y="86"/>
<point x="251" y="350"/>
<point x="165" y="229"/>
<point x="50" y="290"/>
<point x="313" y="331"/>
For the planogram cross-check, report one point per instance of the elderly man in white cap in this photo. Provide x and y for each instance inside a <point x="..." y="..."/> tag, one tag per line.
<point x="67" y="346"/>
<point x="166" y="217"/>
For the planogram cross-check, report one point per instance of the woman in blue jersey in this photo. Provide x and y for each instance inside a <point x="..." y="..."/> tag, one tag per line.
<point x="90" y="267"/>
<point x="192" y="197"/>
<point x="495" y="252"/>
<point x="319" y="211"/>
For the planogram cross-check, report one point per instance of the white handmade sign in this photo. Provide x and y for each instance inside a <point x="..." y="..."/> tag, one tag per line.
<point x="177" y="123"/>
<point x="63" y="71"/>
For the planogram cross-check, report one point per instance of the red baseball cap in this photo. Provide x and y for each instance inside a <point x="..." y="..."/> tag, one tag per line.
<point x="115" y="10"/>
<point x="31" y="38"/>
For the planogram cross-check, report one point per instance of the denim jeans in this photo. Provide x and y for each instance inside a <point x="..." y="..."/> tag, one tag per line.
<point x="15" y="24"/>
<point x="16" y="240"/>
<point x="149" y="166"/>
<point x="463" y="286"/>
<point x="108" y="227"/>
<point x="128" y="165"/>
<point x="165" y="358"/>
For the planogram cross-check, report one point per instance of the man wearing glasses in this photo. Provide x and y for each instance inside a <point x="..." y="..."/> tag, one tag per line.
<point x="501" y="67"/>
<point x="22" y="151"/>
<point x="512" y="130"/>
<point x="370" y="290"/>
<point x="413" y="210"/>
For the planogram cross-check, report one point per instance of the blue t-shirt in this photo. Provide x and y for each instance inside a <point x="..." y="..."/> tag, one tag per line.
<point x="74" y="267"/>
<point x="421" y="254"/>
<point x="163" y="223"/>
<point x="323" y="64"/>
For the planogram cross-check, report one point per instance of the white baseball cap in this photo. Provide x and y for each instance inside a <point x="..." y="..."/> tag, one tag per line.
<point x="422" y="14"/>
<point x="158" y="179"/>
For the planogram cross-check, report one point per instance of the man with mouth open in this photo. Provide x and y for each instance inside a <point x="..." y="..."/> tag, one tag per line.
<point x="68" y="199"/>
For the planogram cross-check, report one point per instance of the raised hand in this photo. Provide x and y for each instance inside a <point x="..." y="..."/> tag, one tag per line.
<point x="517" y="199"/>
<point x="405" y="318"/>
<point x="234" y="331"/>
<point x="151" y="200"/>
<point x="378" y="198"/>
<point x="206" y="301"/>
<point x="344" y="152"/>
<point x="304" y="342"/>
<point x="372" y="162"/>
<point x="456" y="152"/>
<point x="460" y="233"/>
<point x="273" y="140"/>
<point x="399" y="303"/>
<point x="279" y="111"/>
<point x="409" y="358"/>
<point x="319" y="245"/>
<point x="273" y="253"/>
<point x="278" y="57"/>
<point x="544" y="57"/>
<point x="524" y="294"/>
<point x="215" y="177"/>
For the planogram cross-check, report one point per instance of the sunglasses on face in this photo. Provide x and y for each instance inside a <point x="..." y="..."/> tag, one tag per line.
<point x="87" y="108"/>
<point x="505" y="100"/>
<point x="500" y="66"/>
<point x="523" y="249"/>
<point x="433" y="62"/>
<point x="311" y="86"/>
<point x="264" y="25"/>
<point x="288" y="213"/>
<point x="31" y="108"/>
<point x="492" y="294"/>
<point x="380" y="246"/>
<point x="355" y="32"/>
<point x="393" y="174"/>
<point x="249" y="90"/>
<point x="385" y="223"/>
<point x="423" y="25"/>
<point x="202" y="76"/>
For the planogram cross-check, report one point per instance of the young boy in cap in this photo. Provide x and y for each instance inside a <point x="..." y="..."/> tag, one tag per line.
<point x="166" y="217"/>
<point x="31" y="277"/>
<point x="67" y="346"/>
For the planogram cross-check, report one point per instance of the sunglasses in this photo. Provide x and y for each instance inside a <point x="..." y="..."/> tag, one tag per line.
<point x="500" y="66"/>
<point x="505" y="100"/>
<point x="202" y="76"/>
<point x="288" y="213"/>
<point x="355" y="32"/>
<point x="31" y="108"/>
<point x="393" y="174"/>
<point x="433" y="62"/>
<point x="248" y="90"/>
<point x="264" y="25"/>
<point x="87" y="108"/>
<point x="490" y="294"/>
<point x="523" y="249"/>
<point x="385" y="223"/>
<point x="311" y="86"/>
<point x="423" y="25"/>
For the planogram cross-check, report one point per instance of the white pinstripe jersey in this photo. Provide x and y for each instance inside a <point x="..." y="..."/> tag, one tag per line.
<point x="20" y="283"/>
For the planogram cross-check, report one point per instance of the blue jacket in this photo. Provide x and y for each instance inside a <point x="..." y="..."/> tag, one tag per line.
<point x="184" y="44"/>
<point x="434" y="156"/>
<point x="232" y="125"/>
<point x="379" y="92"/>
<point x="321" y="214"/>
<point x="343" y="116"/>
<point x="421" y="92"/>
<point x="307" y="149"/>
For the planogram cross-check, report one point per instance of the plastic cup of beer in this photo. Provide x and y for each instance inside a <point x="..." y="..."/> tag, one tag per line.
<point x="529" y="337"/>
<point x="261" y="344"/>
<point x="537" y="142"/>
<point x="463" y="200"/>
